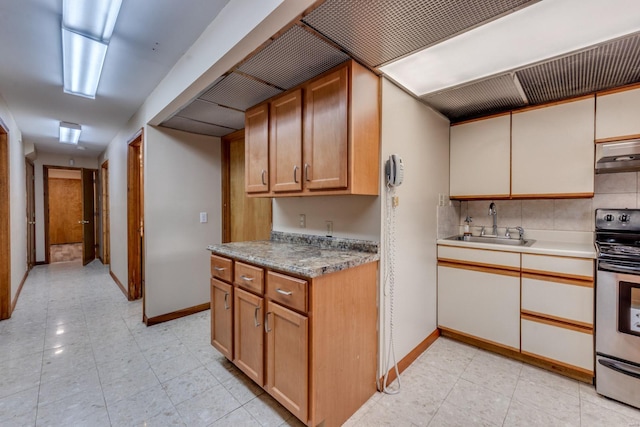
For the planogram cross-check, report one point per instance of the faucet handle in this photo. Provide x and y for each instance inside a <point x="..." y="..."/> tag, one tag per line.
<point x="482" y="231"/>
<point x="520" y="232"/>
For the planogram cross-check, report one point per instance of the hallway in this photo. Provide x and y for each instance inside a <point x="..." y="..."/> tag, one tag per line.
<point x="75" y="353"/>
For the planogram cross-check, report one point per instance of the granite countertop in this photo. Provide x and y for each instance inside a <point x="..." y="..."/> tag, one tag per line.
<point x="542" y="247"/>
<point x="302" y="255"/>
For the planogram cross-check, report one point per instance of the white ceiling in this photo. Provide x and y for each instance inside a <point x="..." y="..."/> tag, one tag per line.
<point x="149" y="37"/>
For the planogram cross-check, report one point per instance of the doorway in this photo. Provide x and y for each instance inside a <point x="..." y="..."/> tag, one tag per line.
<point x="30" y="214"/>
<point x="5" y="225"/>
<point x="69" y="195"/>
<point x="243" y="218"/>
<point x="135" y="218"/>
<point x="106" y="235"/>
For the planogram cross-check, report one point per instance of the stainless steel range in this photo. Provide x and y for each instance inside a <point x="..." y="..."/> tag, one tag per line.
<point x="618" y="305"/>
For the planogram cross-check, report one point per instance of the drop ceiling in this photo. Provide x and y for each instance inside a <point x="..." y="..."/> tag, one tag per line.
<point x="375" y="32"/>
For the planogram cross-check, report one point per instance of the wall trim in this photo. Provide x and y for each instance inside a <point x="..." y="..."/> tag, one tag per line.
<point x="411" y="357"/>
<point x="115" y="279"/>
<point x="15" y="300"/>
<point x="149" y="321"/>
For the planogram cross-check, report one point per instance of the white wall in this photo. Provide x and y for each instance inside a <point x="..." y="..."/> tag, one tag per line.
<point x="17" y="199"/>
<point x="421" y="137"/>
<point x="48" y="159"/>
<point x="182" y="179"/>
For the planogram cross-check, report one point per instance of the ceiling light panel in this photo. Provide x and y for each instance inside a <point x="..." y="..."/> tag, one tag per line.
<point x="293" y="58"/>
<point x="239" y="92"/>
<point x="69" y="133"/>
<point x="82" y="63"/>
<point x="193" y="126"/>
<point x="94" y="18"/>
<point x="609" y="65"/>
<point x="379" y="31"/>
<point x="532" y="34"/>
<point x="209" y="112"/>
<point x="481" y="98"/>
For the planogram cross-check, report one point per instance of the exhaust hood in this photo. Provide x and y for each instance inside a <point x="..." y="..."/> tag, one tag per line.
<point x="619" y="156"/>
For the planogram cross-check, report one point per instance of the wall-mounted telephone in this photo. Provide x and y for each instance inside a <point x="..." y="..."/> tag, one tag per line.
<point x="394" y="170"/>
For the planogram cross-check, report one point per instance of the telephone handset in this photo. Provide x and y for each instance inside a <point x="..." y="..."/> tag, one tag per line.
<point x="394" y="170"/>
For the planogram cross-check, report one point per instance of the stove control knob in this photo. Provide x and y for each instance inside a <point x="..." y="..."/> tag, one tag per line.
<point x="624" y="218"/>
<point x="608" y="217"/>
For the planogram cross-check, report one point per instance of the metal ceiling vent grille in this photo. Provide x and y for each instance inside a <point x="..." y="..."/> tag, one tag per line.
<point x="193" y="126"/>
<point x="294" y="57"/>
<point x="477" y="99"/>
<point x="378" y="31"/>
<point x="612" y="64"/>
<point x="239" y="92"/>
<point x="205" y="111"/>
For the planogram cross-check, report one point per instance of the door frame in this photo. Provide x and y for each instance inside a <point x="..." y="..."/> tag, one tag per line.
<point x="105" y="213"/>
<point x="5" y="225"/>
<point x="135" y="218"/>
<point x="31" y="222"/>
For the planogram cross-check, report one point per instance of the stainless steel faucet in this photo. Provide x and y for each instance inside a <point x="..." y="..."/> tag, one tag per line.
<point x="494" y="213"/>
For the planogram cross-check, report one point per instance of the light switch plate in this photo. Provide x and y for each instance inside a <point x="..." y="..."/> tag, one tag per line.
<point x="203" y="217"/>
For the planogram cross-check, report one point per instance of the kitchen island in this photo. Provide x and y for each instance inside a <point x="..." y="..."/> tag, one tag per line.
<point x="298" y="315"/>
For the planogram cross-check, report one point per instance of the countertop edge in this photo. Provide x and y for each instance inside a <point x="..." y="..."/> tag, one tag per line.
<point x="574" y="250"/>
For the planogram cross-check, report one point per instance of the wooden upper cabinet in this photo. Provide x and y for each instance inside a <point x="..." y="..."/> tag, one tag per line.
<point x="617" y="115"/>
<point x="257" y="149"/>
<point x="552" y="150"/>
<point x="285" y="142"/>
<point x="326" y="131"/>
<point x="481" y="158"/>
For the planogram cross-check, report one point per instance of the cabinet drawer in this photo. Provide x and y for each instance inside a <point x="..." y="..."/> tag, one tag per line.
<point x="560" y="343"/>
<point x="558" y="299"/>
<point x="578" y="268"/>
<point x="507" y="260"/>
<point x="288" y="291"/>
<point x="249" y="277"/>
<point x="221" y="268"/>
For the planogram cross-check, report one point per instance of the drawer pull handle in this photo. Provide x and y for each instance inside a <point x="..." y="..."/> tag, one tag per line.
<point x="255" y="317"/>
<point x="306" y="171"/>
<point x="295" y="174"/>
<point x="266" y="322"/>
<point x="264" y="172"/>
<point x="287" y="293"/>
<point x="246" y="278"/>
<point x="226" y="301"/>
<point x="219" y="268"/>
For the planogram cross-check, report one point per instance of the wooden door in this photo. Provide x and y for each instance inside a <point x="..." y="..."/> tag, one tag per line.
<point x="285" y="142"/>
<point x="88" y="217"/>
<point x="30" y="214"/>
<point x="325" y="132"/>
<point x="244" y="218"/>
<point x="248" y="335"/>
<point x="288" y="358"/>
<point x="65" y="206"/>
<point x="5" y="225"/>
<point x="257" y="149"/>
<point x="106" y="234"/>
<point x="135" y="218"/>
<point x="222" y="317"/>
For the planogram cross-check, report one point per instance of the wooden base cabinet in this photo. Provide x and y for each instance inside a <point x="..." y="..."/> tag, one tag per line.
<point x="248" y="335"/>
<point x="222" y="317"/>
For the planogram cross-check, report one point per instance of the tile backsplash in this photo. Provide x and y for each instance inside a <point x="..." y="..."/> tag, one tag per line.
<point x="615" y="190"/>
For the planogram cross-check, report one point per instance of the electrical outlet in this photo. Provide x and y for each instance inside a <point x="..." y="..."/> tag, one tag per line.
<point x="442" y="199"/>
<point x="329" y="228"/>
<point x="303" y="221"/>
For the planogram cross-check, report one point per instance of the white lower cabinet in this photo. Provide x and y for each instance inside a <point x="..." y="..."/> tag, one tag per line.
<point x="480" y="302"/>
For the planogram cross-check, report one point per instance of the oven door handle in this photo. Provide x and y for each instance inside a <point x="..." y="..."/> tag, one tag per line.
<point x="626" y="369"/>
<point x="617" y="268"/>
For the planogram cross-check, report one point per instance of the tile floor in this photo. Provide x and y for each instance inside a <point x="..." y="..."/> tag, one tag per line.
<point x="75" y="353"/>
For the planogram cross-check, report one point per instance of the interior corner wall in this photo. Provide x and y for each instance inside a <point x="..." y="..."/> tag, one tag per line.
<point x="182" y="178"/>
<point x="17" y="199"/>
<point x="420" y="136"/>
<point x="49" y="159"/>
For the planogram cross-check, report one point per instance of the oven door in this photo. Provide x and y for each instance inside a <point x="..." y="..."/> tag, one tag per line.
<point x="618" y="313"/>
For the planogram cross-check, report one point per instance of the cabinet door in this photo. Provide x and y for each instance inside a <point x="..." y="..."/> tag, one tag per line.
<point x="617" y="115"/>
<point x="288" y="358"/>
<point x="222" y="317"/>
<point x="256" y="149"/>
<point x="484" y="304"/>
<point x="552" y="151"/>
<point x="285" y="142"/>
<point x="481" y="158"/>
<point x="325" y="132"/>
<point x="249" y="335"/>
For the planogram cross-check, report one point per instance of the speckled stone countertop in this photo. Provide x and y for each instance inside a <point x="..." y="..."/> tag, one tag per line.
<point x="300" y="254"/>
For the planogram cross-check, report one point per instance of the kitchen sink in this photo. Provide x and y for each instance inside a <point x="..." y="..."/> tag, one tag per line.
<point x="493" y="240"/>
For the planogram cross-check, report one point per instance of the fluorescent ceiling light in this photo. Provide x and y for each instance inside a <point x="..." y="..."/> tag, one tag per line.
<point x="93" y="18"/>
<point x="543" y="30"/>
<point x="69" y="133"/>
<point x="82" y="60"/>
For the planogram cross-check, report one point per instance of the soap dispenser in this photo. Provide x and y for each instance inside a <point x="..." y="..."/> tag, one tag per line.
<point x="467" y="221"/>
